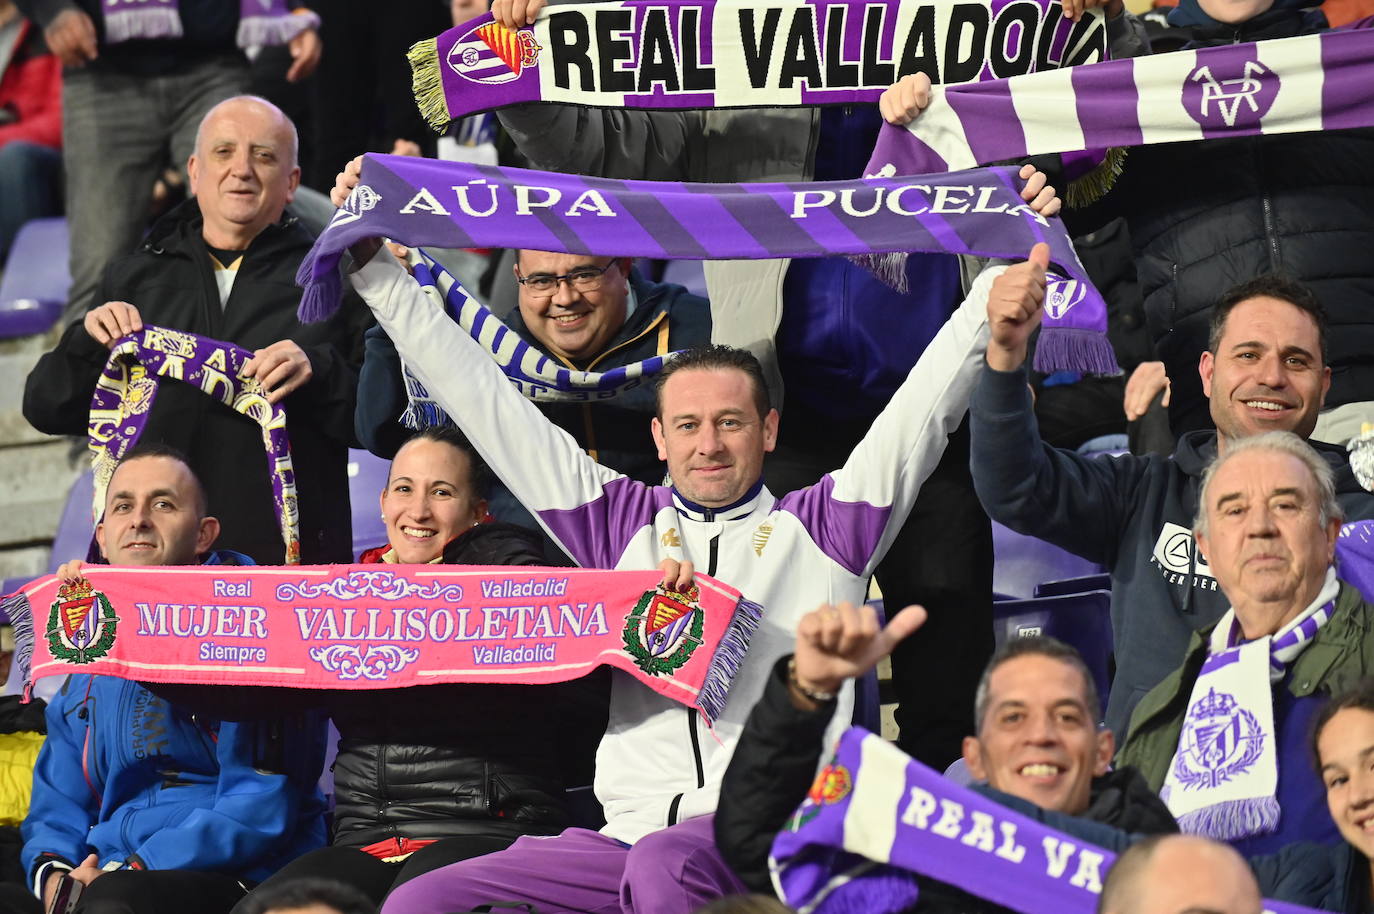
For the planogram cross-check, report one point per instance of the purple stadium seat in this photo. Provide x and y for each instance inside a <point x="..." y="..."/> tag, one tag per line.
<point x="1082" y="620"/>
<point x="36" y="281"/>
<point x="367" y="475"/>
<point x="1022" y="562"/>
<point x="688" y="273"/>
<point x="74" y="529"/>
<point x="1082" y="584"/>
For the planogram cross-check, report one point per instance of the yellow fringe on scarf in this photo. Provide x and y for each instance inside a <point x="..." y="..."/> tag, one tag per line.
<point x="1093" y="186"/>
<point x="427" y="84"/>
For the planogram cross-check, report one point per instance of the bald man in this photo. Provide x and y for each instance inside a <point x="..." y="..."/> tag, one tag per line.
<point x="1180" y="874"/>
<point x="223" y="265"/>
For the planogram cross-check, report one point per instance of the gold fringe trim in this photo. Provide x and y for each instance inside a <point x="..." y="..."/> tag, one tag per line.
<point x="427" y="84"/>
<point x="1093" y="186"/>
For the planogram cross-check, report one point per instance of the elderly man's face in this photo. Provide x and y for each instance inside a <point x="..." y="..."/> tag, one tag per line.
<point x="243" y="172"/>
<point x="1265" y="541"/>
<point x="153" y="515"/>
<point x="1039" y="739"/>
<point x="1267" y="374"/>
<point x="577" y="317"/>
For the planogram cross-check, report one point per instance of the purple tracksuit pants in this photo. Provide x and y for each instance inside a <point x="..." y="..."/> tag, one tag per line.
<point x="673" y="871"/>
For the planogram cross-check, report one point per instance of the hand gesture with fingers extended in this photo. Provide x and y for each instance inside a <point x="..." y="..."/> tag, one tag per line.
<point x="835" y="643"/>
<point x="111" y="321"/>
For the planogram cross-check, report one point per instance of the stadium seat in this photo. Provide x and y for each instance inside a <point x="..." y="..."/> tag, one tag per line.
<point x="367" y="474"/>
<point x="1082" y="584"/>
<point x="1082" y="620"/>
<point x="34" y="289"/>
<point x="1023" y="562"/>
<point x="75" y="528"/>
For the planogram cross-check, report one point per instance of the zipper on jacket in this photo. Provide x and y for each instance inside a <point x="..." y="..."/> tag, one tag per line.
<point x="708" y="517"/>
<point x="672" y="809"/>
<point x="1271" y="233"/>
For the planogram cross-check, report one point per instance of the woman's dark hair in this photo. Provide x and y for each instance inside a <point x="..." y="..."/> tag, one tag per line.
<point x="1360" y="697"/>
<point x="480" y="477"/>
<point x="292" y="894"/>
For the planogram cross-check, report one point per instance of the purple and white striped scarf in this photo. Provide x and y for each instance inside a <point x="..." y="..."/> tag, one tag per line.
<point x="877" y="818"/>
<point x="534" y="374"/>
<point x="260" y="21"/>
<point x="452" y="204"/>
<point x="127" y="387"/>
<point x="1316" y="82"/>
<point x="1225" y="772"/>
<point x="683" y="54"/>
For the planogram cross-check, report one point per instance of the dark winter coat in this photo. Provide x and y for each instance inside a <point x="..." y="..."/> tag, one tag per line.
<point x="171" y="281"/>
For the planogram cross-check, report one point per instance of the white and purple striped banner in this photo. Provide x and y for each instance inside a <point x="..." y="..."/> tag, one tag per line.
<point x="1315" y="82"/>
<point x="741" y="53"/>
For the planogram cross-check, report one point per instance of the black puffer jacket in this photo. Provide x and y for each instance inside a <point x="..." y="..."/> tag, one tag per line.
<point x="1207" y="215"/>
<point x="441" y="761"/>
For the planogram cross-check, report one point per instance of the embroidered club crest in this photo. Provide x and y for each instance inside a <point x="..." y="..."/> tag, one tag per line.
<point x="1220" y="740"/>
<point x="832" y="785"/>
<point x="760" y="538"/>
<point x="663" y="630"/>
<point x="1232" y="90"/>
<point x="1063" y="294"/>
<point x="81" y="626"/>
<point x="493" y="54"/>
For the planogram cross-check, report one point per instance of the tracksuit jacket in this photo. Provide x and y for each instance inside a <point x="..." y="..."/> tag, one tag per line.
<point x="658" y="763"/>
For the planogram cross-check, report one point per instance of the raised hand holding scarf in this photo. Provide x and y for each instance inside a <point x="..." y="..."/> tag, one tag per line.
<point x="1314" y="82"/>
<point x="127" y="387"/>
<point x="1225" y="771"/>
<point x="452" y="204"/>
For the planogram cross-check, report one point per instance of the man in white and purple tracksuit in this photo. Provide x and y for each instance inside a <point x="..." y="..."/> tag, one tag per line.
<point x="659" y="767"/>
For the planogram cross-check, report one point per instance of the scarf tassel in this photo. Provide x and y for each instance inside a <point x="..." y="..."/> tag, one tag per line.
<point x="734" y="644"/>
<point x="889" y="269"/>
<point x="428" y="84"/>
<point x="1232" y="820"/>
<point x="16" y="608"/>
<point x="1088" y="188"/>
<point x="153" y="22"/>
<point x="421" y="409"/>
<point x="323" y="291"/>
<point x="256" y="31"/>
<point x="1067" y="349"/>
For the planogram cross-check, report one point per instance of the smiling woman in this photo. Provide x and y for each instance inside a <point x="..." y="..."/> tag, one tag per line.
<point x="432" y="497"/>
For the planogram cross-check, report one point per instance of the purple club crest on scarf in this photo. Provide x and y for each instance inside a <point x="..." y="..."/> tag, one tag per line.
<point x="451" y="204"/>
<point x="128" y="386"/>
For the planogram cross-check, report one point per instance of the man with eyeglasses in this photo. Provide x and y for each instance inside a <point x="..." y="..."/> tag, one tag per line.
<point x="589" y="313"/>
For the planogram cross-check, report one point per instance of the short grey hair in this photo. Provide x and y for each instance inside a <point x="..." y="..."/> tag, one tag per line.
<point x="1040" y="646"/>
<point x="1278" y="443"/>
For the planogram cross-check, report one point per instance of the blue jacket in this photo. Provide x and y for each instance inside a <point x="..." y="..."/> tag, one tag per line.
<point x="131" y="778"/>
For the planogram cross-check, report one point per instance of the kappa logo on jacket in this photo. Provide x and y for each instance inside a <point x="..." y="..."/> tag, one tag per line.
<point x="1177" y="557"/>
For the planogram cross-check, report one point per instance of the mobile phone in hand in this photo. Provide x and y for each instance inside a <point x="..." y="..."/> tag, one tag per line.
<point x="67" y="895"/>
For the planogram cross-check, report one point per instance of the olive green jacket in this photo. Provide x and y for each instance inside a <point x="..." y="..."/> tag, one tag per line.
<point x="1340" y="654"/>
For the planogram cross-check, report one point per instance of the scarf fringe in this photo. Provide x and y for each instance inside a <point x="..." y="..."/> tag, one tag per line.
<point x="427" y="83"/>
<point x="157" y="22"/>
<point x="322" y="293"/>
<point x="1232" y="820"/>
<point x="1069" y="349"/>
<point x="725" y="665"/>
<point x="255" y="31"/>
<point x="16" y="607"/>
<point x="421" y="409"/>
<point x="1092" y="186"/>
<point x="889" y="269"/>
<point x="879" y="890"/>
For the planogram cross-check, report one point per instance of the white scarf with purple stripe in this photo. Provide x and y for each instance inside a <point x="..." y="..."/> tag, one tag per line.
<point x="1225" y="771"/>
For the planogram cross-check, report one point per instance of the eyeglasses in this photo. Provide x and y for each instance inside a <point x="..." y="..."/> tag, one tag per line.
<point x="583" y="279"/>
